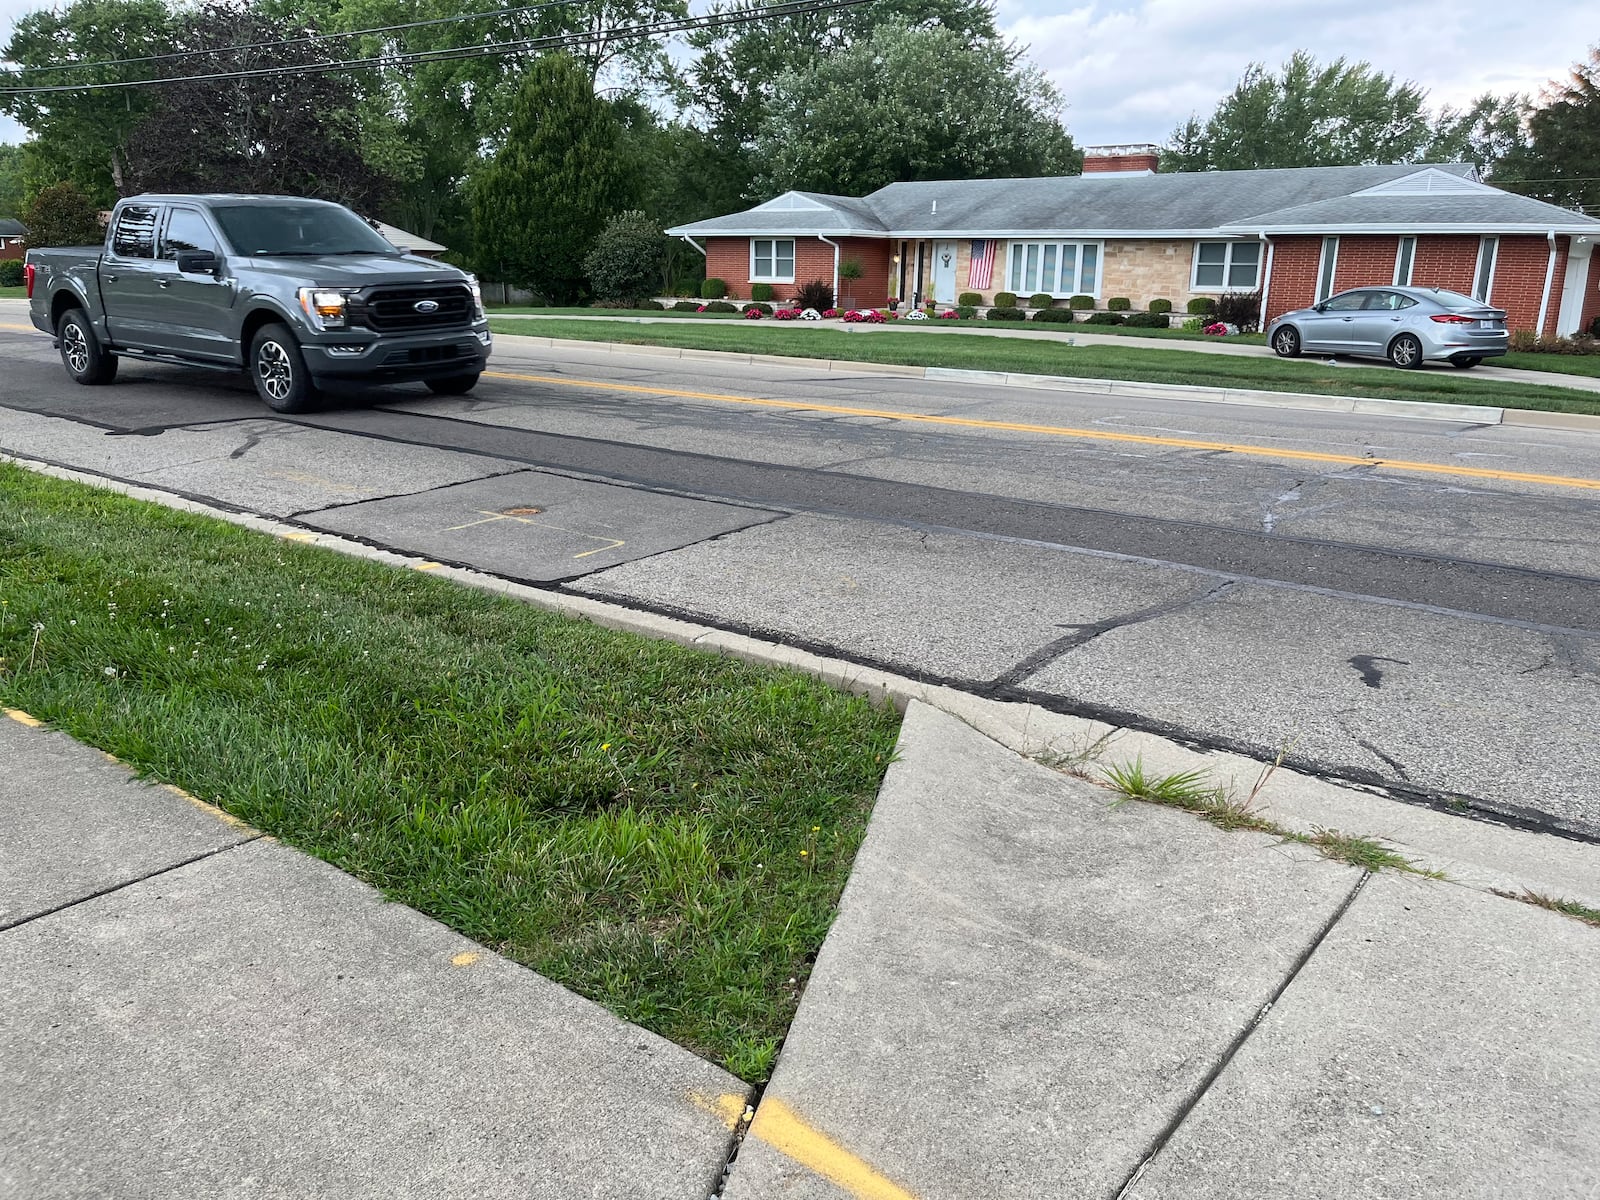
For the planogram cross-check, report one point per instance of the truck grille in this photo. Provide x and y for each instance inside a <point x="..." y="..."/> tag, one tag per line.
<point x="394" y="309"/>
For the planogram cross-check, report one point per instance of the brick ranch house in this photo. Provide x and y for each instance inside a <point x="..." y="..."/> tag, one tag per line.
<point x="1296" y="235"/>
<point x="13" y="238"/>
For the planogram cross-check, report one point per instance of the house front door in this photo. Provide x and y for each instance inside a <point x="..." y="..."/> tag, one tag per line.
<point x="944" y="272"/>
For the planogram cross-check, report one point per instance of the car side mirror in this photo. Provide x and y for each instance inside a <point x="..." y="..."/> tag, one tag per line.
<point x="1323" y="307"/>
<point x="197" y="262"/>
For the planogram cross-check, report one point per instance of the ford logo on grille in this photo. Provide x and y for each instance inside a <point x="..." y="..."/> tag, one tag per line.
<point x="426" y="306"/>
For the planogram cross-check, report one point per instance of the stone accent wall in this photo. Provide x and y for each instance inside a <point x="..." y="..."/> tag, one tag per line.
<point x="1147" y="270"/>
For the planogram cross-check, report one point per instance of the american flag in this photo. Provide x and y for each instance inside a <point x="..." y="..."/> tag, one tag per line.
<point x="981" y="271"/>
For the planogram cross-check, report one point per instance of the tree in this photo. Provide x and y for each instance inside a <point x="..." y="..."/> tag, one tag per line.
<point x="62" y="216"/>
<point x="625" y="262"/>
<point x="1306" y="116"/>
<point x="538" y="205"/>
<point x="910" y="103"/>
<point x="11" y="180"/>
<point x="1487" y="132"/>
<point x="1560" y="163"/>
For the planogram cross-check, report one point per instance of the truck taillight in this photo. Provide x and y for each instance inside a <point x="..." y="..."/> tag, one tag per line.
<point x="27" y="278"/>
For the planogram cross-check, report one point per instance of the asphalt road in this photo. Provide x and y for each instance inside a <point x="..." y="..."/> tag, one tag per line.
<point x="1432" y="632"/>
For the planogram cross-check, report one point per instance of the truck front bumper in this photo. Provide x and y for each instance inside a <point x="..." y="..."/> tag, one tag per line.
<point x="397" y="358"/>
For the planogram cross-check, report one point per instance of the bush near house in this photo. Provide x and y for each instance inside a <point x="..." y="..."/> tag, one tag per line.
<point x="1119" y="304"/>
<point x="1242" y="310"/>
<point x="1041" y="300"/>
<point x="1081" y="302"/>
<point x="1527" y="342"/>
<point x="721" y="306"/>
<point x="11" y="272"/>
<point x="761" y="291"/>
<point x="1201" y="306"/>
<point x="1005" y="300"/>
<point x="1161" y="306"/>
<point x="686" y="306"/>
<point x="1007" y="314"/>
<point x="624" y="264"/>
<point x="1055" y="316"/>
<point x="967" y="312"/>
<point x="764" y="309"/>
<point x="814" y="293"/>
<point x="1147" y="320"/>
<point x="969" y="300"/>
<point x="713" y="289"/>
<point x="1105" y="318"/>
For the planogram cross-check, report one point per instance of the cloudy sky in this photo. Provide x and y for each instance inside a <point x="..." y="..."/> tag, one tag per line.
<point x="1131" y="70"/>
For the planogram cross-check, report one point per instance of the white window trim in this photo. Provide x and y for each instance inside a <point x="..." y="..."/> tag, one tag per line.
<point x="1325" y="267"/>
<point x="1227" y="266"/>
<point x="1014" y="246"/>
<point x="1484" y="243"/>
<point x="1410" y="263"/>
<point x="794" y="258"/>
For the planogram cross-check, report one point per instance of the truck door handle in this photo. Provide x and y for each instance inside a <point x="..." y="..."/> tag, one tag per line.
<point x="111" y="278"/>
<point x="163" y="283"/>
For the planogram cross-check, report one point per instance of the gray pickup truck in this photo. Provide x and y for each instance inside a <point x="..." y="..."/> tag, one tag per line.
<point x="302" y="294"/>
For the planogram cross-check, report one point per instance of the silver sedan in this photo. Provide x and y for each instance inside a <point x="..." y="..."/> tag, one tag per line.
<point x="1407" y="325"/>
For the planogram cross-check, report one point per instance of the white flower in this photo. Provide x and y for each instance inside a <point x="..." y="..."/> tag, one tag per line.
<point x="811" y="314"/>
<point x="112" y="672"/>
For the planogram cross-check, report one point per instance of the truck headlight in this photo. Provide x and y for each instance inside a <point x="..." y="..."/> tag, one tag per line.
<point x="477" y="298"/>
<point x="324" y="307"/>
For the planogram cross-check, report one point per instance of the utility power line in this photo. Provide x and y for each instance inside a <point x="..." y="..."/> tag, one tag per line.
<point x="488" y="50"/>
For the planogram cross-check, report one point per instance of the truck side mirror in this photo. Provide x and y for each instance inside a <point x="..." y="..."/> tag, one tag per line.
<point x="197" y="262"/>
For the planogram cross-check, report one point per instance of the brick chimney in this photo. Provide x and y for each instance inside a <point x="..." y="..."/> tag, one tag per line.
<point x="1142" y="159"/>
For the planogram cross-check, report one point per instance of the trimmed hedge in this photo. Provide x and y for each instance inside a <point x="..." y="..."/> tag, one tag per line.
<point x="766" y="309"/>
<point x="11" y="272"/>
<point x="761" y="291"/>
<point x="1119" y="304"/>
<point x="1057" y="316"/>
<point x="1105" y="318"/>
<point x="1005" y="300"/>
<point x="713" y="289"/>
<point x="720" y="306"/>
<point x="1161" y="306"/>
<point x="1148" y="320"/>
<point x="1041" y="300"/>
<point x="1201" y="306"/>
<point x="1007" y="314"/>
<point x="1081" y="302"/>
<point x="969" y="300"/>
<point x="650" y="305"/>
<point x="966" y="311"/>
<point x="686" y="306"/>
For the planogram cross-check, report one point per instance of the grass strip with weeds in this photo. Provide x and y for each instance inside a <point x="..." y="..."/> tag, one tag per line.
<point x="1568" y="908"/>
<point x="1184" y="367"/>
<point x="663" y="830"/>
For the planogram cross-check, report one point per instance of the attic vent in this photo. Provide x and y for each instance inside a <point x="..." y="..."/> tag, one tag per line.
<point x="1431" y="182"/>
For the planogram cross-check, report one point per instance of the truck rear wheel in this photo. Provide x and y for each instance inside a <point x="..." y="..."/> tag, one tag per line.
<point x="85" y="359"/>
<point x="278" y="370"/>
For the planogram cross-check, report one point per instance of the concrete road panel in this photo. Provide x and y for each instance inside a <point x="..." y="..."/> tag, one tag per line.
<point x="1441" y="1042"/>
<point x="260" y="1024"/>
<point x="1025" y="984"/>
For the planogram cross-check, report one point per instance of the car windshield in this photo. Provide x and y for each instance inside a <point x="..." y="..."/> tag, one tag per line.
<point x="280" y="228"/>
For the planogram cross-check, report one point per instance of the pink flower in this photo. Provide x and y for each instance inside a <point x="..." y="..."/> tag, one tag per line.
<point x="950" y="314"/>
<point x="1216" y="329"/>
<point x="830" y="314"/>
<point x="702" y="308"/>
<point x="752" y="314"/>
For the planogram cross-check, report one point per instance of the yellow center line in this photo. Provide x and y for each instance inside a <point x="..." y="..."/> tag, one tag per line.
<point x="1101" y="435"/>
<point x="20" y="328"/>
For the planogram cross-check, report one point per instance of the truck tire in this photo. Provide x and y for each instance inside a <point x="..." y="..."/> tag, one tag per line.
<point x="85" y="359"/>
<point x="278" y="370"/>
<point x="453" y="385"/>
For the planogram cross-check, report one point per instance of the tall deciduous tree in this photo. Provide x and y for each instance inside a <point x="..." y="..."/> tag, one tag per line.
<point x="1306" y="115"/>
<point x="1485" y="133"/>
<point x="1560" y="162"/>
<point x="11" y="185"/>
<point x="538" y="205"/>
<point x="910" y="103"/>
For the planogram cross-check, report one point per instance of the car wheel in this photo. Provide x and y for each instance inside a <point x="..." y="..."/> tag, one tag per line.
<point x="1466" y="361"/>
<point x="1405" y="352"/>
<point x="1286" y="342"/>
<point x="453" y="385"/>
<point x="81" y="353"/>
<point x="278" y="370"/>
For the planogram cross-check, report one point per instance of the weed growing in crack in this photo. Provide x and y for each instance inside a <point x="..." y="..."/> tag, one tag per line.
<point x="1077" y="762"/>
<point x="1368" y="853"/>
<point x="1567" y="908"/>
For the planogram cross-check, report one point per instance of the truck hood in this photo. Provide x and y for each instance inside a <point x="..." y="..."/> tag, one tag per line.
<point x="357" y="270"/>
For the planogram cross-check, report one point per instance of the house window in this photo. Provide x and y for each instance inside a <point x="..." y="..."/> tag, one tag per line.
<point x="1059" y="268"/>
<point x="1484" y="277"/>
<point x="1226" y="266"/>
<point x="1403" y="260"/>
<point x="772" y="260"/>
<point x="1330" y="261"/>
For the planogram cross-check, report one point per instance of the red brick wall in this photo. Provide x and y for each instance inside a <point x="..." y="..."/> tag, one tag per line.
<point x="1294" y="275"/>
<point x="10" y="250"/>
<point x="1364" y="261"/>
<point x="728" y="259"/>
<point x="1519" y="272"/>
<point x="1446" y="262"/>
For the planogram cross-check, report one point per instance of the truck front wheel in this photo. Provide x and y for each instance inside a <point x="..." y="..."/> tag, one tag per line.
<point x="278" y="370"/>
<point x="82" y="354"/>
<point x="453" y="385"/>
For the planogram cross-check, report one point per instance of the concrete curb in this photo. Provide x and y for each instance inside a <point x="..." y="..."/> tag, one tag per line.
<point x="1472" y="414"/>
<point x="1476" y="854"/>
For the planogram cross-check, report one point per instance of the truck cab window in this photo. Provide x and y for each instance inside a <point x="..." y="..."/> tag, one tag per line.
<point x="135" y="235"/>
<point x="186" y="230"/>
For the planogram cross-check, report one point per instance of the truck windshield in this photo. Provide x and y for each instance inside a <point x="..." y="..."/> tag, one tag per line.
<point x="278" y="228"/>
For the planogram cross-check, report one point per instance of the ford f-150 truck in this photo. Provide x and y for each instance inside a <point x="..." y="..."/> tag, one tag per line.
<point x="298" y="293"/>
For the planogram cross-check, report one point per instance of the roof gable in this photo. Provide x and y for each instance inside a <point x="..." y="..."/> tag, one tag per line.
<point x="1430" y="181"/>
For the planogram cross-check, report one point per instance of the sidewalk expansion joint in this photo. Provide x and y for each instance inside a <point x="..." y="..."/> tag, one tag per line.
<point x="1239" y="1041"/>
<point x="254" y="836"/>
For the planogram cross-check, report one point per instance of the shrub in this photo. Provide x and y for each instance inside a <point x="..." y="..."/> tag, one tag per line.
<point x="713" y="289"/>
<point x="1119" y="304"/>
<point x="787" y="314"/>
<point x="625" y="261"/>
<point x="850" y="270"/>
<point x="719" y="306"/>
<point x="1105" y="318"/>
<point x="1193" y="325"/>
<point x="967" y="311"/>
<point x="1007" y="314"/>
<point x="61" y="215"/>
<point x="969" y="300"/>
<point x="1041" y="300"/>
<point x="686" y="306"/>
<point x="1147" y="320"/>
<point x="1594" y="328"/>
<point x="1161" y="306"/>
<point x="830" y="314"/>
<point x="949" y="314"/>
<point x="11" y="272"/>
<point x="1057" y="316"/>
<point x="761" y="291"/>
<point x="1081" y="302"/>
<point x="650" y="305"/>
<point x="1005" y="300"/>
<point x="1216" y="329"/>
<point x="1242" y="310"/>
<point x="1201" y="306"/>
<point x="816" y="293"/>
<point x="1526" y="341"/>
<point x="764" y="309"/>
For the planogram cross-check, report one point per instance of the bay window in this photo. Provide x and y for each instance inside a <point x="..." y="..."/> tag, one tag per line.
<point x="771" y="260"/>
<point x="1059" y="268"/>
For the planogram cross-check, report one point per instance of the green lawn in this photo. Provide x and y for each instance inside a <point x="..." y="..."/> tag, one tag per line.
<point x="13" y="293"/>
<point x="929" y="348"/>
<point x="663" y="830"/>
<point x="513" y="310"/>
<point x="1559" y="364"/>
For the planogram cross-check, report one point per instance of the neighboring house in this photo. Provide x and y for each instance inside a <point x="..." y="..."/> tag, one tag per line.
<point x="409" y="242"/>
<point x="13" y="238"/>
<point x="1295" y="235"/>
